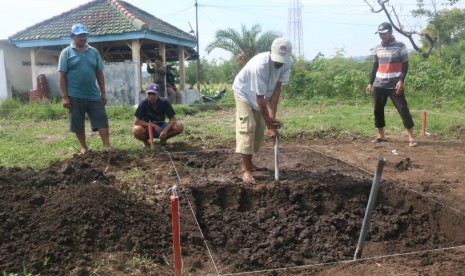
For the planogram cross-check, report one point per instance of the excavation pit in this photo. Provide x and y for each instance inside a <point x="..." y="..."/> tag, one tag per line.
<point x="98" y="212"/>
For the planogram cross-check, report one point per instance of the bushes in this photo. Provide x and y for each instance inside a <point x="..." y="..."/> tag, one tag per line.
<point x="36" y="111"/>
<point x="434" y="80"/>
<point x="336" y="77"/>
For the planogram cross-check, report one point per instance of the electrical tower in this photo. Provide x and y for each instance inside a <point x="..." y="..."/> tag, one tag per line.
<point x="294" y="29"/>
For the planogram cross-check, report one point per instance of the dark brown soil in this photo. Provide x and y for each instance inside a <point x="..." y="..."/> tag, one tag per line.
<point x="108" y="213"/>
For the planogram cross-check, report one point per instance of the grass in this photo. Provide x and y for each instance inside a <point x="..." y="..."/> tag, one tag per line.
<point x="35" y="135"/>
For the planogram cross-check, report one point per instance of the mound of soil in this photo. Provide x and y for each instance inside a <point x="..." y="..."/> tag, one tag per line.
<point x="109" y="213"/>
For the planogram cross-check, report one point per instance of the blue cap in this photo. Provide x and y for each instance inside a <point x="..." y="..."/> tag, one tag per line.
<point x="152" y="88"/>
<point x="78" y="29"/>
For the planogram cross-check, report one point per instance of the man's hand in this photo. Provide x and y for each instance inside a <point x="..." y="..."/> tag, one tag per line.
<point x="399" y="87"/>
<point x="276" y="123"/>
<point x="104" y="99"/>
<point x="368" y="89"/>
<point x="272" y="132"/>
<point x="66" y="102"/>
<point x="163" y="135"/>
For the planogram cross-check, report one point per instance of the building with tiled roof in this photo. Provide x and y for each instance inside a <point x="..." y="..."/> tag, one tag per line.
<point x="121" y="32"/>
<point x="111" y="24"/>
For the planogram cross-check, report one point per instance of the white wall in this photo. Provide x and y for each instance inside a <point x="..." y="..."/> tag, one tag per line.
<point x="3" y="85"/>
<point x="119" y="81"/>
<point x="190" y="96"/>
<point x="119" y="76"/>
<point x="18" y="69"/>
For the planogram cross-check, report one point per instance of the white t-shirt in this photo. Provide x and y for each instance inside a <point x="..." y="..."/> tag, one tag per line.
<point x="259" y="77"/>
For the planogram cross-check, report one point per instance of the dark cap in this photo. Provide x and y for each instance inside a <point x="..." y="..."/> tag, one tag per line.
<point x="384" y="28"/>
<point x="152" y="88"/>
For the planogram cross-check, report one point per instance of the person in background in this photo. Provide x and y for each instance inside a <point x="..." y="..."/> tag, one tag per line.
<point x="155" y="109"/>
<point x="174" y="96"/>
<point x="390" y="67"/>
<point x="80" y="68"/>
<point x="257" y="88"/>
<point x="159" y="72"/>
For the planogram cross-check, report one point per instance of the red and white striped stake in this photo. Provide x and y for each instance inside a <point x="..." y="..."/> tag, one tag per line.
<point x="176" y="232"/>
<point x="151" y="134"/>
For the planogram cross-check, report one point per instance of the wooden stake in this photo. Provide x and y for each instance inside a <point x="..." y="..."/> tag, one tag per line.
<point x="423" y="123"/>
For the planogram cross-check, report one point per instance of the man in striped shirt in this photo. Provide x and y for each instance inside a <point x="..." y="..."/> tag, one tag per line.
<point x="390" y="67"/>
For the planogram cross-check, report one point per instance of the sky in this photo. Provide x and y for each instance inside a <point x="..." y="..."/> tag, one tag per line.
<point x="328" y="26"/>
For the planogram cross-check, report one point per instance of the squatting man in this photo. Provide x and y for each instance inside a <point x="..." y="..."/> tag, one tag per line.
<point x="154" y="109"/>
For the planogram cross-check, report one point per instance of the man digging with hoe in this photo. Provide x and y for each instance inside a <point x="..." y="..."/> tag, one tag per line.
<point x="257" y="88"/>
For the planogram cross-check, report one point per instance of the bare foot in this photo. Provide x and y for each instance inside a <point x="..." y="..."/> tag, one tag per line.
<point x="412" y="143"/>
<point x="83" y="150"/>
<point x="247" y="177"/>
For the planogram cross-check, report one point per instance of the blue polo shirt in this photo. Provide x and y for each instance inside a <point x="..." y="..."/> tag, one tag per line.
<point x="81" y="71"/>
<point x="146" y="113"/>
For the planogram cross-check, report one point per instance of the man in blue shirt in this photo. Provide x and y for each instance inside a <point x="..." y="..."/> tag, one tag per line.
<point x="154" y="109"/>
<point x="80" y="67"/>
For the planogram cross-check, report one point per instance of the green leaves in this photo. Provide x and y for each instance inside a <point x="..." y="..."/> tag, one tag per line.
<point x="245" y="44"/>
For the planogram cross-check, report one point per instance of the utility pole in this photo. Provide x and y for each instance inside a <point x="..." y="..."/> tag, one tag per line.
<point x="198" y="48"/>
<point x="295" y="29"/>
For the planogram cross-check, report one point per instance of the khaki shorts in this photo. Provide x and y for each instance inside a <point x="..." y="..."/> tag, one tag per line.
<point x="250" y="128"/>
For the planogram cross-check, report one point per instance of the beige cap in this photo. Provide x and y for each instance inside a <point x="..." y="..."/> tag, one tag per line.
<point x="281" y="50"/>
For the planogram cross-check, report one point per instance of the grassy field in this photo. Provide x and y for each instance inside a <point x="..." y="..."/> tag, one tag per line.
<point x="33" y="135"/>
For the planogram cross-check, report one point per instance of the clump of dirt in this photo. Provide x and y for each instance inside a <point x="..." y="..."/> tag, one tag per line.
<point x="404" y="165"/>
<point x="80" y="213"/>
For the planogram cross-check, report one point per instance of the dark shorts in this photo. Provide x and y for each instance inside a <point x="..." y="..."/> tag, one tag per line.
<point x="155" y="133"/>
<point x="94" y="109"/>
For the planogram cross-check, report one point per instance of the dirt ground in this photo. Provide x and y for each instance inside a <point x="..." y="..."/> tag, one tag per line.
<point x="108" y="213"/>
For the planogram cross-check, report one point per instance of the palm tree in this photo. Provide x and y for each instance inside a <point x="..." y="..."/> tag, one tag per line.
<point x="243" y="46"/>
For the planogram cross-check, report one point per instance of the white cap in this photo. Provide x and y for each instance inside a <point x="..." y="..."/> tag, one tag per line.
<point x="281" y="50"/>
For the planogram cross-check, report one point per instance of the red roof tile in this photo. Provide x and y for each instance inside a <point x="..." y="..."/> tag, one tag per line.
<point x="102" y="18"/>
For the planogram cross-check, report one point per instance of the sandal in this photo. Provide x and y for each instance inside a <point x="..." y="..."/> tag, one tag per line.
<point x="378" y="140"/>
<point x="412" y="143"/>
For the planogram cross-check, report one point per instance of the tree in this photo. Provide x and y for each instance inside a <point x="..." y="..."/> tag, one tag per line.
<point x="422" y="11"/>
<point x="399" y="28"/>
<point x="243" y="45"/>
<point x="428" y="40"/>
<point x="449" y="26"/>
<point x="211" y="71"/>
